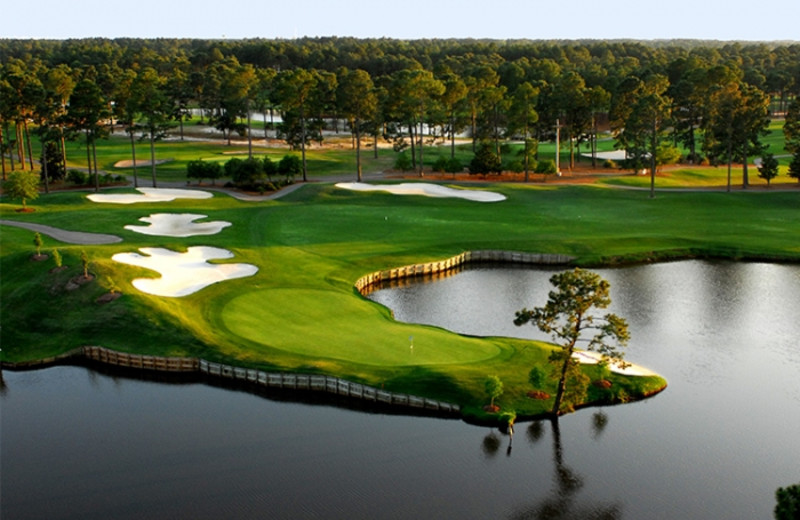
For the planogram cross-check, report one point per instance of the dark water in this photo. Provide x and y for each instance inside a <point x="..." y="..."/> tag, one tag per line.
<point x="716" y="444"/>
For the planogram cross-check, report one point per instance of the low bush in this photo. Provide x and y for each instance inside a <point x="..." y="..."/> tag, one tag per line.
<point x="77" y="177"/>
<point x="403" y="163"/>
<point x="611" y="165"/>
<point x="547" y="167"/>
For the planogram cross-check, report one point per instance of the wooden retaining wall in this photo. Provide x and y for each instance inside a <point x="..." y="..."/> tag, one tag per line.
<point x="320" y="383"/>
<point x="368" y="282"/>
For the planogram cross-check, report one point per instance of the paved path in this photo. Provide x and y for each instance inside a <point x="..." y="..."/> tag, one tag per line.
<point x="70" y="237"/>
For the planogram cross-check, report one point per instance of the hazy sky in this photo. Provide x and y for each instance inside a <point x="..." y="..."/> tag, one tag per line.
<point x="406" y="19"/>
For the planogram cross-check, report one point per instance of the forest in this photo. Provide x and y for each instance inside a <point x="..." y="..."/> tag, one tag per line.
<point x="662" y="101"/>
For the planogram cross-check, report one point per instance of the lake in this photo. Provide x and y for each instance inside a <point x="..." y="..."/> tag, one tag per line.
<point x="717" y="443"/>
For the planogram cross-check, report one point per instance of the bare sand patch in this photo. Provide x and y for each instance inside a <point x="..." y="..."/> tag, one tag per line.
<point x="425" y="189"/>
<point x="628" y="369"/>
<point x="178" y="225"/>
<point x="148" y="195"/>
<point x="183" y="273"/>
<point x="128" y="163"/>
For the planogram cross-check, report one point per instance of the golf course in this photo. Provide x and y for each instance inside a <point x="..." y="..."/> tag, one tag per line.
<point x="296" y="308"/>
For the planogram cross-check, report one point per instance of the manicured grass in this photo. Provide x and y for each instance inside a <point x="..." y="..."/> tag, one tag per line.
<point x="300" y="312"/>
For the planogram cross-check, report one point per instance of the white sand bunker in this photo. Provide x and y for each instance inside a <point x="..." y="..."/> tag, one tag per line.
<point x="178" y="225"/>
<point x="183" y="273"/>
<point x="629" y="369"/>
<point x="128" y="163"/>
<point x="425" y="189"/>
<point x="149" y="195"/>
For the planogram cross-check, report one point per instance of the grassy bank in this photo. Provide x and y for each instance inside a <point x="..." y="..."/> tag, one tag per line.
<point x="300" y="312"/>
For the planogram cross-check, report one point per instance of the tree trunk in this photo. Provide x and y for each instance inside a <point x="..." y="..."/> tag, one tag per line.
<point x="474" y="129"/>
<point x="452" y="136"/>
<point x="10" y="150"/>
<point x="44" y="167"/>
<point x="2" y="155"/>
<point x="527" y="174"/>
<point x="133" y="156"/>
<point x="654" y="145"/>
<point x="745" y="177"/>
<point x="730" y="164"/>
<point x="63" y="148"/>
<point x="89" y="154"/>
<point x="358" y="149"/>
<point x="593" y="142"/>
<point x="249" y="136"/>
<point x="303" y="142"/>
<point x="421" y="147"/>
<point x="96" y="171"/>
<point x="153" y="157"/>
<point x="558" y="147"/>
<point x="571" y="150"/>
<point x="28" y="142"/>
<point x="20" y="148"/>
<point x="562" y="381"/>
<point x="411" y="127"/>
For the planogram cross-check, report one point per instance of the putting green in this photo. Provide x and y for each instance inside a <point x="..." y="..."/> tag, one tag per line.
<point x="338" y="326"/>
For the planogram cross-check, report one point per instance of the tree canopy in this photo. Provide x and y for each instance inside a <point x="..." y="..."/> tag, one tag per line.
<point x="407" y="91"/>
<point x="569" y="315"/>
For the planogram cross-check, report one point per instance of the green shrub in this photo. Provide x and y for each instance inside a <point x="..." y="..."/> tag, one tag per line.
<point x="454" y="166"/>
<point x="290" y="166"/>
<point x="547" y="167"/>
<point x="608" y="163"/>
<point x="485" y="161"/>
<point x="77" y="177"/>
<point x="516" y="166"/>
<point x="403" y="163"/>
<point x="440" y="165"/>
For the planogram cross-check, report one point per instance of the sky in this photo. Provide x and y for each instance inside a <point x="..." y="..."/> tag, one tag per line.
<point x="743" y="20"/>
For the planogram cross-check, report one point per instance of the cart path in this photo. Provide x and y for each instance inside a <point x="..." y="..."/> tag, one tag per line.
<point x="70" y="237"/>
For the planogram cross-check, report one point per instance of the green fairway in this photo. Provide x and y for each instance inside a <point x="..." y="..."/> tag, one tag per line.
<point x="300" y="312"/>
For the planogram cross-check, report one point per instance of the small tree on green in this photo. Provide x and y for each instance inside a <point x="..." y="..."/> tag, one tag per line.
<point x="537" y="377"/>
<point x="768" y="169"/>
<point x="37" y="242"/>
<point x="494" y="388"/>
<point x="85" y="264"/>
<point x="57" y="258"/>
<point x="112" y="285"/>
<point x="569" y="313"/>
<point x="22" y="185"/>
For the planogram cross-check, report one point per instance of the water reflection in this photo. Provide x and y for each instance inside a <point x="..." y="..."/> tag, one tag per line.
<point x="562" y="502"/>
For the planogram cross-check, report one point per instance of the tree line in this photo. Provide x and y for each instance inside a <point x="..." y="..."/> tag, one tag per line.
<point x="712" y="99"/>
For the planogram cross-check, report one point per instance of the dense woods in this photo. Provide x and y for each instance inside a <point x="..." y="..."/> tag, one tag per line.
<point x="711" y="99"/>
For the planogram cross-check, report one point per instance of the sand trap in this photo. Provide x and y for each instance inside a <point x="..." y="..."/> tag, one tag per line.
<point x="183" y="273"/>
<point x="128" y="163"/>
<point x="592" y="358"/>
<point x="149" y="195"/>
<point x="178" y="225"/>
<point x="425" y="189"/>
<point x="614" y="155"/>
